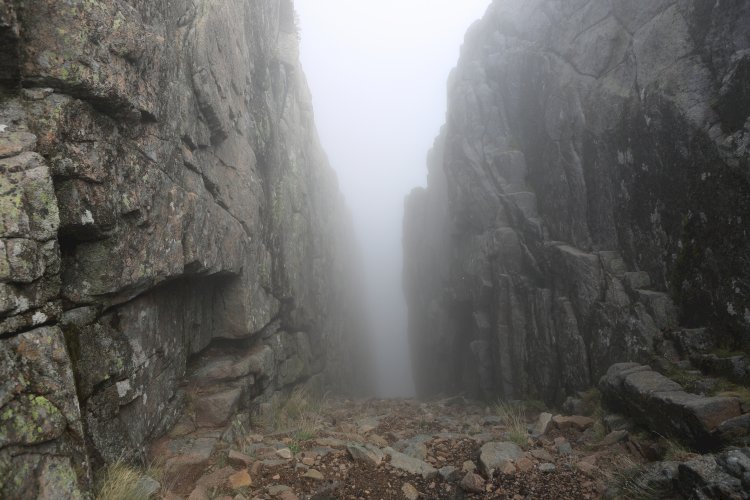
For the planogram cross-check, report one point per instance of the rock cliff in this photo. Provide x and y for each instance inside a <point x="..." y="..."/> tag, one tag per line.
<point x="588" y="195"/>
<point x="172" y="240"/>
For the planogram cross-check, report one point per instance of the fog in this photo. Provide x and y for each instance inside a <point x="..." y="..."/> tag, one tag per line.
<point x="377" y="71"/>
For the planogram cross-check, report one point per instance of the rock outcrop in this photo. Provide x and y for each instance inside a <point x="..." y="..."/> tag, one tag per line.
<point x="172" y="240"/>
<point x="664" y="407"/>
<point x="588" y="193"/>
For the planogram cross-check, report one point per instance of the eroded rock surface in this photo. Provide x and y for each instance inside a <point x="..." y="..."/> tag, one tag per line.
<point x="587" y="194"/>
<point x="663" y="406"/>
<point x="166" y="216"/>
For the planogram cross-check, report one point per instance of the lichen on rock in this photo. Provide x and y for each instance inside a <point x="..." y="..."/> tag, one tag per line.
<point x="164" y="202"/>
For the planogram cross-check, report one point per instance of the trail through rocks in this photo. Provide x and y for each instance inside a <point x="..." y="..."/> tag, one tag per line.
<point x="391" y="449"/>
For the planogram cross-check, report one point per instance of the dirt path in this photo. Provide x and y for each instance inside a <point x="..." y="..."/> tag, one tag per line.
<point x="389" y="449"/>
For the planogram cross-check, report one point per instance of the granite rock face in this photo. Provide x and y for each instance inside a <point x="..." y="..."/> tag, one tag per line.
<point x="588" y="192"/>
<point x="166" y="215"/>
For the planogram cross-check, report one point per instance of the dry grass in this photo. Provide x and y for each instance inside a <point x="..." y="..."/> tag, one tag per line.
<point x="514" y="419"/>
<point x="682" y="377"/>
<point x="628" y="478"/>
<point x="593" y="401"/>
<point x="723" y="386"/>
<point x="735" y="391"/>
<point x="121" y="481"/>
<point x="727" y="352"/>
<point x="675" y="451"/>
<point x="301" y="414"/>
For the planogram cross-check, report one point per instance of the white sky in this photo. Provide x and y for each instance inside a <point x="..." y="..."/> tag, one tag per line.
<point x="378" y="71"/>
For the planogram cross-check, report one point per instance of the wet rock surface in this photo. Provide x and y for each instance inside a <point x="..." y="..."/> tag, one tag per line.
<point x="172" y="240"/>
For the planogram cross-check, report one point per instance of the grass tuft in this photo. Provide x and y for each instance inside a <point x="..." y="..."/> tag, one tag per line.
<point x="514" y="419"/>
<point x="629" y="480"/>
<point x="301" y="414"/>
<point x="594" y="404"/>
<point x="121" y="481"/>
<point x="682" y="377"/>
<point x="736" y="391"/>
<point x="727" y="352"/>
<point x="676" y="451"/>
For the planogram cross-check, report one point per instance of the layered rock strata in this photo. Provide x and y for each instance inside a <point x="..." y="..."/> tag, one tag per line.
<point x="588" y="193"/>
<point x="168" y="221"/>
<point x="665" y="408"/>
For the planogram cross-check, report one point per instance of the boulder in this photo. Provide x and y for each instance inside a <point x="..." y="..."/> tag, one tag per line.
<point x="705" y="475"/>
<point x="240" y="459"/>
<point x="409" y="491"/>
<point x="314" y="474"/>
<point x="614" y="437"/>
<point x="367" y="454"/>
<point x="735" y="430"/>
<point x="663" y="406"/>
<point x="216" y="479"/>
<point x="411" y="465"/>
<point x="449" y="473"/>
<point x="240" y="479"/>
<point x="616" y="422"/>
<point x="214" y="409"/>
<point x="575" y="422"/>
<point x="542" y="424"/>
<point x="147" y="486"/>
<point x="693" y="341"/>
<point x="495" y="456"/>
<point x="541" y="454"/>
<point x="199" y="493"/>
<point x="523" y="464"/>
<point x="565" y="449"/>
<point x="472" y="483"/>
<point x="414" y="447"/>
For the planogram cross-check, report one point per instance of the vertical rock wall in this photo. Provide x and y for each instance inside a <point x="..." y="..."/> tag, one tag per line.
<point x="166" y="214"/>
<point x="589" y="192"/>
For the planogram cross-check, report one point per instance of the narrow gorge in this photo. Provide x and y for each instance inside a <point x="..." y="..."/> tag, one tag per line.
<point x="182" y="310"/>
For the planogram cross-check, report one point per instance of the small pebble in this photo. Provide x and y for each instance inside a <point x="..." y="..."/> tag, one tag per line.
<point x="547" y="468"/>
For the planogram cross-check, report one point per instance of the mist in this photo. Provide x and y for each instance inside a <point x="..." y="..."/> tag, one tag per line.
<point x="377" y="71"/>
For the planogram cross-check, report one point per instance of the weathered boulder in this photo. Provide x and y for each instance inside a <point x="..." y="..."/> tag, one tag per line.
<point x="472" y="483"/>
<point x="410" y="465"/>
<point x="576" y="422"/>
<point x="663" y="406"/>
<point x="735" y="430"/>
<point x="542" y="424"/>
<point x="414" y="447"/>
<point x="723" y="475"/>
<point x="704" y="474"/>
<point x="410" y="492"/>
<point x="367" y="454"/>
<point x="495" y="456"/>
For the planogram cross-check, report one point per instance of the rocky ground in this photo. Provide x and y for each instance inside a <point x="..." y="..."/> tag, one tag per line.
<point x="394" y="449"/>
